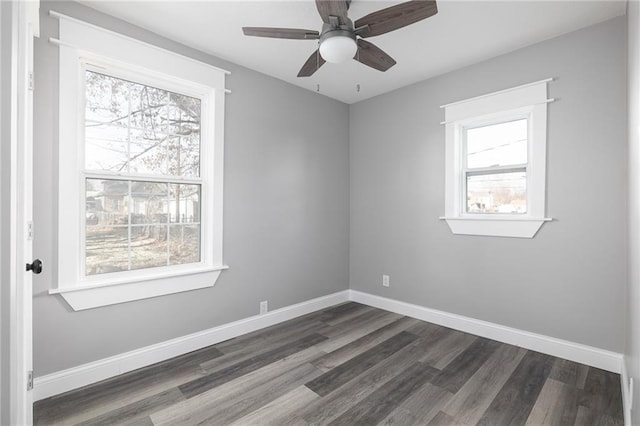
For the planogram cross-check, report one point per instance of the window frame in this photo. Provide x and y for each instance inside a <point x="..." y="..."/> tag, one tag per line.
<point x="202" y="93"/>
<point x="528" y="101"/>
<point x="467" y="125"/>
<point x="87" y="47"/>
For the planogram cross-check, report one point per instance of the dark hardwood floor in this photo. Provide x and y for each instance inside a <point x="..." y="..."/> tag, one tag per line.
<point x="349" y="365"/>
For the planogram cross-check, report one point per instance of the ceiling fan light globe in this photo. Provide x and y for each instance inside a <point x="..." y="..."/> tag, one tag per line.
<point x="338" y="49"/>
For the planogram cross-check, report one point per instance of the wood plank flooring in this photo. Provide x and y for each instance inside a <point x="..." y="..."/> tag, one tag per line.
<point x="349" y="365"/>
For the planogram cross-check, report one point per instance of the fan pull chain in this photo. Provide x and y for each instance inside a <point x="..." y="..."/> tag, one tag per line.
<point x="318" y="66"/>
<point x="358" y="88"/>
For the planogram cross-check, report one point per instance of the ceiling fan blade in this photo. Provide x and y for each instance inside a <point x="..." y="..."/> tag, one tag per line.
<point x="371" y="55"/>
<point x="336" y="8"/>
<point x="314" y="62"/>
<point x="292" y="33"/>
<point x="394" y="17"/>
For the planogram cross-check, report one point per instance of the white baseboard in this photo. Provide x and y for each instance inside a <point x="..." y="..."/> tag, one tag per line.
<point x="627" y="402"/>
<point x="73" y="378"/>
<point x="606" y="360"/>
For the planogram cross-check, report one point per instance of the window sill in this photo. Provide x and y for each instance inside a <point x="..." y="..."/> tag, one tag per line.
<point x="93" y="296"/>
<point x="512" y="227"/>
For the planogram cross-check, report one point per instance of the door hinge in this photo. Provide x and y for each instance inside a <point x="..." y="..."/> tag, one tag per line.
<point x="30" y="230"/>
<point x="29" y="380"/>
<point x="30" y="78"/>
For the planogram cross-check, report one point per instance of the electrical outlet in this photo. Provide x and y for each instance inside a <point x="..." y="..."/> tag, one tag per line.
<point x="264" y="307"/>
<point x="385" y="280"/>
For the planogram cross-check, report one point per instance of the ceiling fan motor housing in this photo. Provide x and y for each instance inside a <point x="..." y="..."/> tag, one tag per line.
<point x="338" y="44"/>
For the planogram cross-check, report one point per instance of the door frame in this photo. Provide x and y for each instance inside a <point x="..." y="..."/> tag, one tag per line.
<point x="24" y="27"/>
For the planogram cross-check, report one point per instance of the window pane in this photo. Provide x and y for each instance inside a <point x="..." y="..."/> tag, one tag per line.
<point x="148" y="153"/>
<point x="184" y="203"/>
<point x="113" y="245"/>
<point x="148" y="107"/>
<point x="184" y="244"/>
<point x="106" y="147"/>
<point x="107" y="202"/>
<point x="184" y="156"/>
<point x="106" y="249"/>
<point x="497" y="193"/>
<point x="148" y="246"/>
<point x="500" y="144"/>
<point x="149" y="202"/>
<point x="135" y="128"/>
<point x="184" y="123"/>
<point x="184" y="115"/>
<point x="107" y="99"/>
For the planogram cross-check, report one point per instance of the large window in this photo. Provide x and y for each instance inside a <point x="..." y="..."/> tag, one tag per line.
<point x="495" y="163"/>
<point x="140" y="177"/>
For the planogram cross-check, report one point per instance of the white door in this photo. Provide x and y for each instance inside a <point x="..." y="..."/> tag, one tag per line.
<point x="25" y="25"/>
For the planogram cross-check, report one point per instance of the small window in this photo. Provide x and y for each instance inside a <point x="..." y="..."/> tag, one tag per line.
<point x="495" y="171"/>
<point x="141" y="149"/>
<point x="495" y="163"/>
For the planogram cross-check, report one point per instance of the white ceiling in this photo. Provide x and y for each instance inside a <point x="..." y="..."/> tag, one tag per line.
<point x="462" y="33"/>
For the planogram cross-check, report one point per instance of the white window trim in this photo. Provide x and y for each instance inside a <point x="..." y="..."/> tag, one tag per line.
<point x="83" y="46"/>
<point x="529" y="100"/>
<point x="205" y="94"/>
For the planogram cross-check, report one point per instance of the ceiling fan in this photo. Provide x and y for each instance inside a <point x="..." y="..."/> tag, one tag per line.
<point x="341" y="39"/>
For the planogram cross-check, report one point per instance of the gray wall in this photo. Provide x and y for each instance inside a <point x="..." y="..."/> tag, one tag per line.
<point x="286" y="212"/>
<point x="632" y="350"/>
<point x="569" y="281"/>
